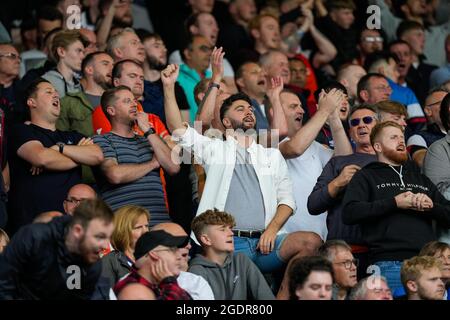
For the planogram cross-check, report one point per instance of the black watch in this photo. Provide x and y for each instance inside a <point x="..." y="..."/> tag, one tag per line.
<point x="149" y="132"/>
<point x="60" y="146"/>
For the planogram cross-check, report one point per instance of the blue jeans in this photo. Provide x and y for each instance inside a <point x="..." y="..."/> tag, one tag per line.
<point x="265" y="262"/>
<point x="391" y="271"/>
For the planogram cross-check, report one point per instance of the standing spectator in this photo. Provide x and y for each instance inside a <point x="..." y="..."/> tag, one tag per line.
<point x="442" y="74"/>
<point x="390" y="197"/>
<point x="232" y="277"/>
<point x="311" y="278"/>
<point x="39" y="252"/>
<point x="370" y="41"/>
<point x="44" y="161"/>
<point x="196" y="57"/>
<point x="349" y="75"/>
<point x="68" y="51"/>
<point x="132" y="161"/>
<point x="422" y="278"/>
<point x="9" y="76"/>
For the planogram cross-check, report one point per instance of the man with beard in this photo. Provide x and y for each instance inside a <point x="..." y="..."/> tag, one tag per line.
<point x="244" y="178"/>
<point x="155" y="62"/>
<point x="394" y="204"/>
<point x="130" y="172"/>
<point x="57" y="260"/>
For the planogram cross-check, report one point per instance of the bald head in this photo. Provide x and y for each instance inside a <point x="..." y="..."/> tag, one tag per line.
<point x="76" y="194"/>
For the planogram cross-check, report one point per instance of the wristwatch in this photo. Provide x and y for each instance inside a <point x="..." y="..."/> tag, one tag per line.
<point x="149" y="132"/>
<point x="60" y="146"/>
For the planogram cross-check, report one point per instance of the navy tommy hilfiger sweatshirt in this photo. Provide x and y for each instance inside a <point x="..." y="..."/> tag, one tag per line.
<point x="393" y="234"/>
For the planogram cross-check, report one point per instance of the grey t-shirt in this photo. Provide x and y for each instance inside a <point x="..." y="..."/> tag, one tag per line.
<point x="93" y="100"/>
<point x="245" y="201"/>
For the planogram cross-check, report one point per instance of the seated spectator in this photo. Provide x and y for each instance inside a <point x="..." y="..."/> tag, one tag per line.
<point x="37" y="251"/>
<point x="371" y="288"/>
<point x="390" y="197"/>
<point x="441" y="251"/>
<point x="76" y="194"/>
<point x="68" y="51"/>
<point x="419" y="143"/>
<point x="442" y="74"/>
<point x="422" y="278"/>
<point x="373" y="88"/>
<point x="349" y="75"/>
<point x="4" y="240"/>
<point x="123" y="174"/>
<point x="195" y="285"/>
<point x="126" y="45"/>
<point x="136" y="291"/>
<point x="130" y="223"/>
<point x="339" y="254"/>
<point x="156" y="266"/>
<point x="311" y="278"/>
<point x="243" y="280"/>
<point x="44" y="160"/>
<point x="370" y="41"/>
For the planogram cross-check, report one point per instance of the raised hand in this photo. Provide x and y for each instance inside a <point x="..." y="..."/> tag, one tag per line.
<point x="170" y="74"/>
<point x="217" y="64"/>
<point x="330" y="101"/>
<point x="275" y="87"/>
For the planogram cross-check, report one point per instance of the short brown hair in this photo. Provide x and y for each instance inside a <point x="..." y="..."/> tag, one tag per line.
<point x="211" y="218"/>
<point x="91" y="209"/>
<point x="109" y="97"/>
<point x="390" y="106"/>
<point x="340" y="4"/>
<point x="255" y="23"/>
<point x="124" y="220"/>
<point x="412" y="268"/>
<point x="64" y="39"/>
<point x="376" y="131"/>
<point x="433" y="247"/>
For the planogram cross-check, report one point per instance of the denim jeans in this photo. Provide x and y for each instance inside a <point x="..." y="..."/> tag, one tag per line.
<point x="391" y="271"/>
<point x="265" y="262"/>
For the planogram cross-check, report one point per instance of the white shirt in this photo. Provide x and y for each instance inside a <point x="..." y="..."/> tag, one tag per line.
<point x="218" y="158"/>
<point x="195" y="285"/>
<point x="304" y="171"/>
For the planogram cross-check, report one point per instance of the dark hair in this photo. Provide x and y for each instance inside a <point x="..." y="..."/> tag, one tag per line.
<point x="363" y="83"/>
<point x="340" y="4"/>
<point x="144" y="35"/>
<point x="89" y="59"/>
<point x="328" y="249"/>
<point x="444" y="113"/>
<point x="229" y="101"/>
<point x="330" y="86"/>
<point x="376" y="56"/>
<point x="398" y="41"/>
<point x="91" y="209"/>
<point x="118" y="67"/>
<point x="408" y="25"/>
<point x="109" y="98"/>
<point x="301" y="268"/>
<point x="49" y="13"/>
<point x="32" y="88"/>
<point x="362" y="106"/>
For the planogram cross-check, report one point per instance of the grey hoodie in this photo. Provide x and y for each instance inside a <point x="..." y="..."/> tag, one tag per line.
<point x="238" y="279"/>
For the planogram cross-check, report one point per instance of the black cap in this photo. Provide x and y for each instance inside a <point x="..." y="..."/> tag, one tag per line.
<point x="150" y="240"/>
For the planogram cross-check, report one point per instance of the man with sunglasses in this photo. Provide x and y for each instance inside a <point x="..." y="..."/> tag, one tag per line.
<point x="331" y="185"/>
<point x="394" y="204"/>
<point x="156" y="265"/>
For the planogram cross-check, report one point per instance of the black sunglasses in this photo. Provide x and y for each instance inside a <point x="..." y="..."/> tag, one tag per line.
<point x="356" y="121"/>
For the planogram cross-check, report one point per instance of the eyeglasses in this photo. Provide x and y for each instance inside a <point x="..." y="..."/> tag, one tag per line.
<point x="10" y="55"/>
<point x="383" y="88"/>
<point x="348" y="263"/>
<point x="74" y="201"/>
<point x="367" y="120"/>
<point x="373" y="39"/>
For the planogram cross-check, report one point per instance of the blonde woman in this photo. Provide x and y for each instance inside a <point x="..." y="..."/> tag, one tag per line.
<point x="130" y="223"/>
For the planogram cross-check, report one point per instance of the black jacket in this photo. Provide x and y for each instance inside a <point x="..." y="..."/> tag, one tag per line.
<point x="37" y="265"/>
<point x="392" y="234"/>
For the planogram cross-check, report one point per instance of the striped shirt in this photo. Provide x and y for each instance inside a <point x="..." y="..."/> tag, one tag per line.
<point x="146" y="191"/>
